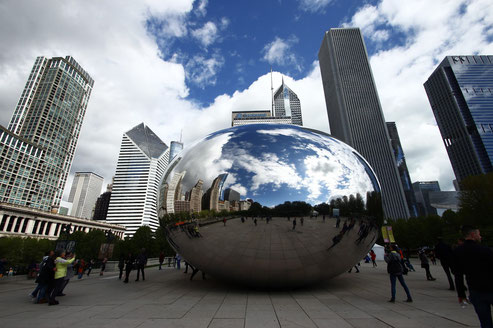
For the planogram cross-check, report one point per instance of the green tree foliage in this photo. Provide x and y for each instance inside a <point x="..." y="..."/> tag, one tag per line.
<point x="20" y="252"/>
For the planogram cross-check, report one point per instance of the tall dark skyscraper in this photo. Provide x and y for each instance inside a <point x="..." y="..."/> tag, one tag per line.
<point x="460" y="91"/>
<point x="422" y="190"/>
<point x="47" y="122"/>
<point x="400" y="161"/>
<point x="355" y="114"/>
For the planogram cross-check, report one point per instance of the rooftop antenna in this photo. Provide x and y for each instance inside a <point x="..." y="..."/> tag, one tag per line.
<point x="181" y="132"/>
<point x="272" y="92"/>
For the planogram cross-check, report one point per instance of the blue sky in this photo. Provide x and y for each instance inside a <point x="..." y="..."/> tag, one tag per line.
<point x="241" y="34"/>
<point x="182" y="67"/>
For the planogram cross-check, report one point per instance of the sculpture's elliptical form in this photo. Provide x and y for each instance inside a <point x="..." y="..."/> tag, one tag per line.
<point x="269" y="165"/>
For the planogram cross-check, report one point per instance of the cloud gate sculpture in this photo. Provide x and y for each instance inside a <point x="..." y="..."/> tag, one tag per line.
<point x="298" y="205"/>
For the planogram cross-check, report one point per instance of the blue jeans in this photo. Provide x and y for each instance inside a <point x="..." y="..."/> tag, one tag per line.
<point x="482" y="302"/>
<point x="402" y="282"/>
<point x="42" y="291"/>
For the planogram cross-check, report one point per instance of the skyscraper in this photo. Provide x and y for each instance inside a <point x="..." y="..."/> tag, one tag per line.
<point x="49" y="115"/>
<point x="287" y="103"/>
<point x="354" y="111"/>
<point x="85" y="190"/>
<point x="460" y="91"/>
<point x="286" y="109"/>
<point x="400" y="161"/>
<point x="141" y="164"/>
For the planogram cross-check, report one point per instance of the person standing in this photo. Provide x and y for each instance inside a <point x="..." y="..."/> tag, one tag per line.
<point x="294" y="223"/>
<point x="121" y="266"/>
<point x="443" y="252"/>
<point x="81" y="268"/>
<point x="61" y="271"/>
<point x="141" y="263"/>
<point x="475" y="261"/>
<point x="178" y="261"/>
<point x="103" y="266"/>
<point x="161" y="259"/>
<point x="129" y="263"/>
<point x="394" y="268"/>
<point x="425" y="265"/>
<point x="373" y="257"/>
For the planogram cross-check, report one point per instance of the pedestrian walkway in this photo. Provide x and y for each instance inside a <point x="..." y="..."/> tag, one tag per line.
<point x="167" y="298"/>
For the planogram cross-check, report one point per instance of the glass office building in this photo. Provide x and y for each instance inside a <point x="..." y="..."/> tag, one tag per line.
<point x="49" y="114"/>
<point x="400" y="161"/>
<point x="460" y="91"/>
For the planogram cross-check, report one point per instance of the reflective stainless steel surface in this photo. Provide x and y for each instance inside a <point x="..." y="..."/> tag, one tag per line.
<point x="270" y="165"/>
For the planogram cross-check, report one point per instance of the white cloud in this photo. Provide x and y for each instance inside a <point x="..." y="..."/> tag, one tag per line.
<point x="207" y="34"/>
<point x="202" y="71"/>
<point x="201" y="8"/>
<point x="279" y="52"/>
<point x="314" y="5"/>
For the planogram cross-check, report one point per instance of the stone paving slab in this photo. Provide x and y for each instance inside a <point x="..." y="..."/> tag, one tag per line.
<point x="169" y="299"/>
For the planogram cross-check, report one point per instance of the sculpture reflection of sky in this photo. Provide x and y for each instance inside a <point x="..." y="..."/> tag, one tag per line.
<point x="272" y="163"/>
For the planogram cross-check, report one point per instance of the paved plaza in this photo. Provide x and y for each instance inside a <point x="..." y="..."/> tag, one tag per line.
<point x="167" y="298"/>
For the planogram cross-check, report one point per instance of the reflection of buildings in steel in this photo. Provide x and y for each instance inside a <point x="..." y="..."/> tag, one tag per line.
<point x="210" y="200"/>
<point x="195" y="197"/>
<point x="174" y="191"/>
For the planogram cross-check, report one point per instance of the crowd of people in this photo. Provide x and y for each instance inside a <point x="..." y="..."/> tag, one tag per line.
<point x="469" y="259"/>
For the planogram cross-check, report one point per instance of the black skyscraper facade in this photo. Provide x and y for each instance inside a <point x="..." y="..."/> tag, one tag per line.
<point x="355" y="114"/>
<point x="460" y="91"/>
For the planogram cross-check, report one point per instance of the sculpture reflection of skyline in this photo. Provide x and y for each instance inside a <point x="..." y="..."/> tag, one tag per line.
<point x="268" y="165"/>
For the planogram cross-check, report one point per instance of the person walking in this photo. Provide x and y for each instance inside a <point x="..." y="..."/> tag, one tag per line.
<point x="70" y="274"/>
<point x="475" y="261"/>
<point x="178" y="261"/>
<point x="61" y="271"/>
<point x="121" y="266"/>
<point x="294" y="223"/>
<point x="395" y="270"/>
<point x="103" y="266"/>
<point x="141" y="263"/>
<point x="443" y="252"/>
<point x="373" y="257"/>
<point x="81" y="268"/>
<point x="90" y="264"/>
<point x="129" y="263"/>
<point x="45" y="278"/>
<point x="161" y="259"/>
<point x="425" y="265"/>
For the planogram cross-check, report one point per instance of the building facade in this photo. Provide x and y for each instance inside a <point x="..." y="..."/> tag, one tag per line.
<point x="49" y="114"/>
<point x="460" y="91"/>
<point x="354" y="111"/>
<point x="22" y="167"/>
<point x="141" y="165"/>
<point x="287" y="104"/>
<point x="400" y="161"/>
<point x="21" y="221"/>
<point x="422" y="190"/>
<point x="85" y="190"/>
<point x="257" y="117"/>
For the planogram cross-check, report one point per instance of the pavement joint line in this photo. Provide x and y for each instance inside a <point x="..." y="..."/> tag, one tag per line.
<point x="296" y="300"/>
<point x="274" y="308"/>
<point x="217" y="310"/>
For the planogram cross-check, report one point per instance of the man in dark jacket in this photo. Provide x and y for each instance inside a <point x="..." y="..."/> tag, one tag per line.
<point x="475" y="261"/>
<point x="444" y="253"/>
<point x="395" y="270"/>
<point x="46" y="277"/>
<point x="141" y="263"/>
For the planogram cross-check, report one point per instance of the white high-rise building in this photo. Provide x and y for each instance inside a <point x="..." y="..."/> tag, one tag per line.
<point x="85" y="190"/>
<point x="141" y="165"/>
